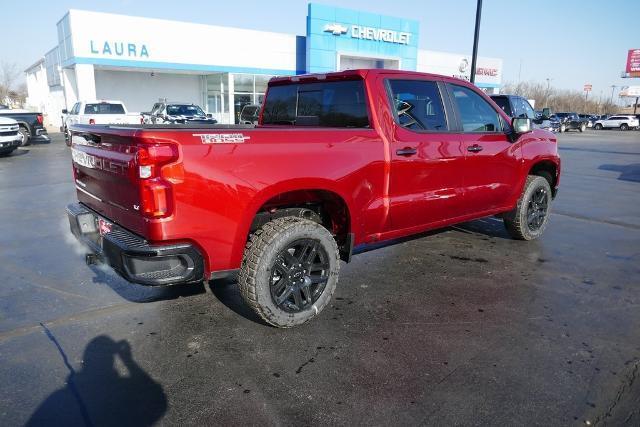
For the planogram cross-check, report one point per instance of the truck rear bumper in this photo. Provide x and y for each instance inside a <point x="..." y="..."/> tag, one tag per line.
<point x="131" y="256"/>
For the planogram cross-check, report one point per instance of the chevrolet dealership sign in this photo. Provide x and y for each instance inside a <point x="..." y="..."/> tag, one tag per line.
<point x="370" y="33"/>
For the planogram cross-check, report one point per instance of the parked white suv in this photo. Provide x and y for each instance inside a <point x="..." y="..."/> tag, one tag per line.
<point x="10" y="139"/>
<point x="618" y="121"/>
<point x="98" y="112"/>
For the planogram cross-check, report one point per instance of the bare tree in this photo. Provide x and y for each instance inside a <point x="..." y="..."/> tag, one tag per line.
<point x="9" y="75"/>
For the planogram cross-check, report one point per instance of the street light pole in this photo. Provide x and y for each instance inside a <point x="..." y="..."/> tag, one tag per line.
<point x="613" y="88"/>
<point x="475" y="42"/>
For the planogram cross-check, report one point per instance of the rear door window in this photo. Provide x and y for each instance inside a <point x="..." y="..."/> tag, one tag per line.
<point x="417" y="105"/>
<point x="326" y="104"/>
<point x="103" y="108"/>
<point x="476" y="114"/>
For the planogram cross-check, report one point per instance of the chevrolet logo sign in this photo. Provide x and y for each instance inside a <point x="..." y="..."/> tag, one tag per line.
<point x="336" y="29"/>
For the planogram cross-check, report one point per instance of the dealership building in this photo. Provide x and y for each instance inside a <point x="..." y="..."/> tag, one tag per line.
<point x="142" y="60"/>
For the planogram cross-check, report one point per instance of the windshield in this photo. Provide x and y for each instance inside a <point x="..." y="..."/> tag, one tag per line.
<point x="103" y="108"/>
<point x="184" y="110"/>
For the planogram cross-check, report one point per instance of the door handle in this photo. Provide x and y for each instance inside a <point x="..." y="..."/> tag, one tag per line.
<point x="406" y="151"/>
<point x="475" y="148"/>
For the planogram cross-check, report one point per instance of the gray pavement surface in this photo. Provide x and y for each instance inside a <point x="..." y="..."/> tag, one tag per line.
<point x="463" y="326"/>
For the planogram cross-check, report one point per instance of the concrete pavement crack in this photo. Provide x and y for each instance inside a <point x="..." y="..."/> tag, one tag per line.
<point x="625" y="391"/>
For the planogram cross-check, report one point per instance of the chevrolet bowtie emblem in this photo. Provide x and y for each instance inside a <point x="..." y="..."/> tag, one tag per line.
<point x="336" y="29"/>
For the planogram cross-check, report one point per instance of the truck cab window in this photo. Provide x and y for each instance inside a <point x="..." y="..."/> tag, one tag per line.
<point x="417" y="105"/>
<point x="475" y="113"/>
<point x="327" y="104"/>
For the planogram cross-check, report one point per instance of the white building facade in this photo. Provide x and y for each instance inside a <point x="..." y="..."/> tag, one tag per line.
<point x="141" y="60"/>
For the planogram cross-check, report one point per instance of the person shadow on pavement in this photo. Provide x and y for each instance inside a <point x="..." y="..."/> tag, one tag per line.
<point x="100" y="393"/>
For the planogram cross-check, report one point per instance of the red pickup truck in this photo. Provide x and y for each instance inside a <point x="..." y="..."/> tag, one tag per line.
<point x="339" y="163"/>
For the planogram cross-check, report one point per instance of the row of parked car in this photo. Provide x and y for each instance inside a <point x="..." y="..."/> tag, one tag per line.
<point x="517" y="106"/>
<point x="100" y="112"/>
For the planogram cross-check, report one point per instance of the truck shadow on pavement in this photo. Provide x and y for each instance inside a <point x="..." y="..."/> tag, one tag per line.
<point x="99" y="394"/>
<point x="227" y="292"/>
<point x="489" y="227"/>
<point x="139" y="293"/>
<point x="627" y="172"/>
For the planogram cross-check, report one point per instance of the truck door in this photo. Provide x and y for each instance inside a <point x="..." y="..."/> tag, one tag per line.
<point x="492" y="163"/>
<point x="427" y="163"/>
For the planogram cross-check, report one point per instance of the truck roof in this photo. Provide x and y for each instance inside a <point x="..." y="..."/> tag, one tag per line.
<point x="357" y="73"/>
<point x="102" y="101"/>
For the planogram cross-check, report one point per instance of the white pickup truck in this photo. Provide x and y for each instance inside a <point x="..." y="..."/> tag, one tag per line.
<point x="97" y="112"/>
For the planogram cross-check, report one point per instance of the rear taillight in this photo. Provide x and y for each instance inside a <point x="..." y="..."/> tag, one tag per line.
<point x="39" y="118"/>
<point x="92" y="122"/>
<point x="156" y="199"/>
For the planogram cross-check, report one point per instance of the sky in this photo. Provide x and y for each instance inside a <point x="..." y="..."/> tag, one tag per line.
<point x="571" y="42"/>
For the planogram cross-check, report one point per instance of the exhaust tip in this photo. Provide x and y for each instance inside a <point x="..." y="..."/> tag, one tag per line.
<point x="91" y="259"/>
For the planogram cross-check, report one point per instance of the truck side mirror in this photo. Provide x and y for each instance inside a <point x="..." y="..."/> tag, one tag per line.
<point x="521" y="125"/>
<point x="64" y="111"/>
<point x="546" y="113"/>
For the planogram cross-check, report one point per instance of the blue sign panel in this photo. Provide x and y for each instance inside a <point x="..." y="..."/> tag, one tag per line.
<point x="334" y="32"/>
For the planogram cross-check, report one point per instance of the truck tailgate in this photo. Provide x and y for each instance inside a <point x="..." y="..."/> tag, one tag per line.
<point x="105" y="175"/>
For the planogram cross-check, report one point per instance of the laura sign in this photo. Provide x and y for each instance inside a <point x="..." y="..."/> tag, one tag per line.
<point x="112" y="48"/>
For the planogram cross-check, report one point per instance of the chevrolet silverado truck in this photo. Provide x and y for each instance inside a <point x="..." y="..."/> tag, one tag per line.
<point x="30" y="125"/>
<point x="97" y="112"/>
<point x="339" y="163"/>
<point x="517" y="106"/>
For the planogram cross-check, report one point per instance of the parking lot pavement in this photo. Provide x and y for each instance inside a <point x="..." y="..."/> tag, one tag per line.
<point x="463" y="326"/>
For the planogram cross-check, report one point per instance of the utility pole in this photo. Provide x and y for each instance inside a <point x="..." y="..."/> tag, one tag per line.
<point x="476" y="36"/>
<point x="520" y="71"/>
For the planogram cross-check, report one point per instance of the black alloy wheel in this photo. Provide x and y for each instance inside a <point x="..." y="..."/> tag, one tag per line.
<point x="537" y="209"/>
<point x="299" y="275"/>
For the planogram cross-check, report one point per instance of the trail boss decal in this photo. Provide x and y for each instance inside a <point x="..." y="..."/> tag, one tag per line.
<point x="222" y="138"/>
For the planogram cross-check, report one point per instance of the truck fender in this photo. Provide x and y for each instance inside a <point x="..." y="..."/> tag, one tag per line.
<point x="268" y="193"/>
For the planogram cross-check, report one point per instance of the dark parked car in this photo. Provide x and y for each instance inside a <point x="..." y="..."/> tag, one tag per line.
<point x="30" y="124"/>
<point x="517" y="106"/>
<point x="589" y="119"/>
<point x="571" y="121"/>
<point x="177" y="112"/>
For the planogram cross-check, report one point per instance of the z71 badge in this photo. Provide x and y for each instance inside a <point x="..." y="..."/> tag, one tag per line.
<point x="221" y="138"/>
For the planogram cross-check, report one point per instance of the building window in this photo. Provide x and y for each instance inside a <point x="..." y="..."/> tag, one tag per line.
<point x="217" y="92"/>
<point x="248" y="89"/>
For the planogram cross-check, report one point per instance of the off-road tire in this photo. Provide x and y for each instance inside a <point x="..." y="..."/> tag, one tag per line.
<point x="25" y="135"/>
<point x="583" y="127"/>
<point x="563" y="128"/>
<point x="260" y="254"/>
<point x="516" y="220"/>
